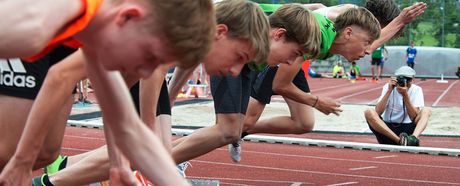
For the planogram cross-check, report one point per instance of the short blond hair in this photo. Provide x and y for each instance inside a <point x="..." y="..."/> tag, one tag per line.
<point x="187" y="25"/>
<point x="360" y="17"/>
<point x="301" y="26"/>
<point x="246" y="20"/>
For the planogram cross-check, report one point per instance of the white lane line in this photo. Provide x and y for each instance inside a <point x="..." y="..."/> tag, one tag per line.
<point x="323" y="173"/>
<point x="331" y="87"/>
<point x="349" y="160"/>
<point x="76" y="149"/>
<point x="366" y="91"/>
<point x="358" y="93"/>
<point x="242" y="179"/>
<point x="362" y="168"/>
<point x="296" y="184"/>
<point x="443" y="94"/>
<point x="390" y="156"/>
<point x="85" y="137"/>
<point x="346" y="183"/>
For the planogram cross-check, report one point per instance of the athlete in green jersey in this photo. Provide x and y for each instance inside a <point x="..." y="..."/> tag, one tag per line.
<point x="351" y="36"/>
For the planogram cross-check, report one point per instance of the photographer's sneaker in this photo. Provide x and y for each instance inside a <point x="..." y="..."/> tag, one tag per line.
<point x="413" y="141"/>
<point x="181" y="167"/>
<point x="403" y="139"/>
<point x="235" y="151"/>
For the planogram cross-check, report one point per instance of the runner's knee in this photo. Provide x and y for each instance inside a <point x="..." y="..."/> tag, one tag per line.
<point x="305" y="125"/>
<point x="229" y="134"/>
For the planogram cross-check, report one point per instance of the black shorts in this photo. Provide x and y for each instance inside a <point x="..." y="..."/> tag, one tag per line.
<point x="23" y="79"/>
<point x="163" y="106"/>
<point x="262" y="88"/>
<point x="231" y="94"/>
<point x="134" y="90"/>
<point x="397" y="128"/>
<point x="376" y="61"/>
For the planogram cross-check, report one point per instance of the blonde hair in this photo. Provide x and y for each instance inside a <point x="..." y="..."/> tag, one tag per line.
<point x="246" y="20"/>
<point x="301" y="26"/>
<point x="188" y="26"/>
<point x="360" y="17"/>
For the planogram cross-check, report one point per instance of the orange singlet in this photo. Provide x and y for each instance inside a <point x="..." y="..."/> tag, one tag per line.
<point x="89" y="9"/>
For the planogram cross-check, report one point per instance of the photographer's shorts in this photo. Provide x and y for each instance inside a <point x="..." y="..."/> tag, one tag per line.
<point x="397" y="128"/>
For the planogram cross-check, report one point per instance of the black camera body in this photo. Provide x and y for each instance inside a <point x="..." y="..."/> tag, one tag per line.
<point x="401" y="81"/>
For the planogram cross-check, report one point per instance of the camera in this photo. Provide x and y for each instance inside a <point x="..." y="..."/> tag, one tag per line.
<point x="401" y="81"/>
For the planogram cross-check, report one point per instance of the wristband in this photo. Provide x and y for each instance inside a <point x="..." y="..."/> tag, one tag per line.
<point x="314" y="105"/>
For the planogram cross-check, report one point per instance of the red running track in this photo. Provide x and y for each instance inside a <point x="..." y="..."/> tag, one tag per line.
<point x="278" y="164"/>
<point x="365" y="92"/>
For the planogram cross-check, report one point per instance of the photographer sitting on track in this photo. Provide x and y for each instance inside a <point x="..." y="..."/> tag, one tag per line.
<point x="399" y="116"/>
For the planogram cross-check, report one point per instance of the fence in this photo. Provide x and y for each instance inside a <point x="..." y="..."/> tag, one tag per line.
<point x="431" y="62"/>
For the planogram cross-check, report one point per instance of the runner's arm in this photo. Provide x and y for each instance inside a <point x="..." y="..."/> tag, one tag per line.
<point x="406" y="16"/>
<point x="27" y="26"/>
<point x="149" y="94"/>
<point x="178" y="80"/>
<point x="133" y="137"/>
<point x="55" y="91"/>
<point x="282" y="84"/>
<point x="314" y="6"/>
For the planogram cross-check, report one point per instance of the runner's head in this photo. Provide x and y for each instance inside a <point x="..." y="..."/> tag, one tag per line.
<point x="242" y="36"/>
<point x="137" y="35"/>
<point x="294" y="32"/>
<point x="356" y="29"/>
<point x="384" y="10"/>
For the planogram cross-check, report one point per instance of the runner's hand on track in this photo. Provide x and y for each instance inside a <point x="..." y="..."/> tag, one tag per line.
<point x="16" y="175"/>
<point x="328" y="106"/>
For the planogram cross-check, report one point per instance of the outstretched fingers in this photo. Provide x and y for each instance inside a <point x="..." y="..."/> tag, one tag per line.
<point x="414" y="11"/>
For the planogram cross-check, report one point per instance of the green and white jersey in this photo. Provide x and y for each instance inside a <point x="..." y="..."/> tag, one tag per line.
<point x="327" y="28"/>
<point x="378" y="53"/>
<point x="328" y="34"/>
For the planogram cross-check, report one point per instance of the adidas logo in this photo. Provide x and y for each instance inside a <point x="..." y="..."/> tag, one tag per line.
<point x="14" y="74"/>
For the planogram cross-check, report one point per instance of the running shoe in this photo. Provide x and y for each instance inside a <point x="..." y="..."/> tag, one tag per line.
<point x="235" y="151"/>
<point x="57" y="165"/>
<point x="413" y="141"/>
<point x="37" y="181"/>
<point x="40" y="180"/>
<point x="181" y="167"/>
<point x="403" y="139"/>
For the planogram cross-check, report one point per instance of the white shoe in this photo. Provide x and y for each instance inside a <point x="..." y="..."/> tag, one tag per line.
<point x="181" y="167"/>
<point x="235" y="151"/>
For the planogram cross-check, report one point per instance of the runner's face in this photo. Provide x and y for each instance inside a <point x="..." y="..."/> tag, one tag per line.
<point x="282" y="51"/>
<point x="358" y="44"/>
<point x="135" y="51"/>
<point x="227" y="55"/>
